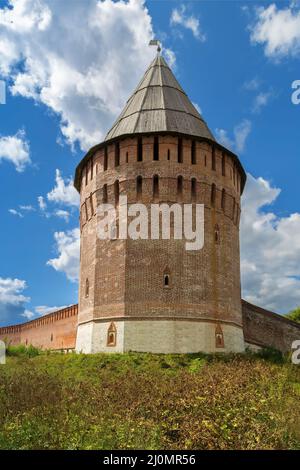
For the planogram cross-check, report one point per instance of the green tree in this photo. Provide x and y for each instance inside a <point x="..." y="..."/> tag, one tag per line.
<point x="294" y="315"/>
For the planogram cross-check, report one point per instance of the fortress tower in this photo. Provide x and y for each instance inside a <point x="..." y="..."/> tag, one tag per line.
<point x="154" y="295"/>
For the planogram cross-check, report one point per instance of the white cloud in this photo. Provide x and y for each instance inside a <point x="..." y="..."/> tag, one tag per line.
<point x="179" y="17"/>
<point x="15" y="148"/>
<point x="27" y="208"/>
<point x="62" y="214"/>
<point x="40" y="311"/>
<point x="11" y="291"/>
<point x="197" y="107"/>
<point x="270" y="250"/>
<point x="224" y="139"/>
<point x="23" y="210"/>
<point x="170" y="57"/>
<point x="12" y="300"/>
<point x="64" y="191"/>
<point x="240" y="135"/>
<point x="26" y="16"/>
<point x="74" y="60"/>
<point x="15" y="212"/>
<point x="278" y="30"/>
<point x="44" y="309"/>
<point x="42" y="204"/>
<point x="261" y="100"/>
<point x="252" y="85"/>
<point x="68" y="248"/>
<point x="28" y="314"/>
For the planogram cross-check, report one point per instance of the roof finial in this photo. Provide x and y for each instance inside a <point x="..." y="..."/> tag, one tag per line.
<point x="155" y="42"/>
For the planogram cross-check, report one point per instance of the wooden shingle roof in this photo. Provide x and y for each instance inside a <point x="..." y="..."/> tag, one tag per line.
<point x="159" y="104"/>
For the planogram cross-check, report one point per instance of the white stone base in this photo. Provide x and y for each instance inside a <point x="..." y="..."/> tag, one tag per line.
<point x="253" y="347"/>
<point x="158" y="336"/>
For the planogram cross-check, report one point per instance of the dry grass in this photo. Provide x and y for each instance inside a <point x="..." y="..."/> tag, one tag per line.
<point x="144" y="401"/>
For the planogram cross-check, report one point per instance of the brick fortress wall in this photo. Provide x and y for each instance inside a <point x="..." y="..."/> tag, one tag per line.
<point x="55" y="331"/>
<point x="263" y="328"/>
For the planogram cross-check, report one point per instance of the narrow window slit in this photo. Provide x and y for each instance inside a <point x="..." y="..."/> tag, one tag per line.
<point x="155" y="187"/>
<point x="193" y="152"/>
<point x="139" y="185"/>
<point x="194" y="189"/>
<point x="117" y="154"/>
<point x="140" y="150"/>
<point x="179" y="149"/>
<point x="156" y="148"/>
<point x="213" y="195"/>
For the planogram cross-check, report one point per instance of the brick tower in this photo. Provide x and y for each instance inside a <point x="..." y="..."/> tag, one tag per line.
<point x="154" y="295"/>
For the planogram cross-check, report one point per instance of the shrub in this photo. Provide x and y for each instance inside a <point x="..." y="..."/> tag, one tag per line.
<point x="294" y="315"/>
<point x="272" y="355"/>
<point x="21" y="350"/>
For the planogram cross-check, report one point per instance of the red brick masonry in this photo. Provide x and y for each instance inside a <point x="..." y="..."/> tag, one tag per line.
<point x="58" y="330"/>
<point x="268" y="329"/>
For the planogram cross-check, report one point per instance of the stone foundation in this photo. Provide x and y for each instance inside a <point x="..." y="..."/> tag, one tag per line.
<point x="158" y="336"/>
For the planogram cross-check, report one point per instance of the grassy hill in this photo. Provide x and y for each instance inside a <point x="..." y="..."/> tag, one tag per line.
<point x="147" y="401"/>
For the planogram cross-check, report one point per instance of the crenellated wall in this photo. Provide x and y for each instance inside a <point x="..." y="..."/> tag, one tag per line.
<point x="55" y="331"/>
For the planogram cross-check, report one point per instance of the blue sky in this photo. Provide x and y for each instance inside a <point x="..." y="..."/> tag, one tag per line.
<point x="69" y="67"/>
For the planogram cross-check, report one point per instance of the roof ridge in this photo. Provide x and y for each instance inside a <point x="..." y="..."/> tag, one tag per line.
<point x="163" y="96"/>
<point x="143" y="101"/>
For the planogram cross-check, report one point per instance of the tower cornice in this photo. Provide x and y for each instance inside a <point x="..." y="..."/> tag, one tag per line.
<point x="105" y="143"/>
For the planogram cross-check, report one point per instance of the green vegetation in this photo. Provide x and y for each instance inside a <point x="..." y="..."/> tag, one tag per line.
<point x="22" y="351"/>
<point x="147" y="401"/>
<point x="294" y="315"/>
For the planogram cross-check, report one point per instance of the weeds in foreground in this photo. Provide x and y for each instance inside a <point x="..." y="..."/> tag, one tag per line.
<point x="147" y="401"/>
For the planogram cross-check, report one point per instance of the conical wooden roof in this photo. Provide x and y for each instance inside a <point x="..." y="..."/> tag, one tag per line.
<point x="159" y="104"/>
